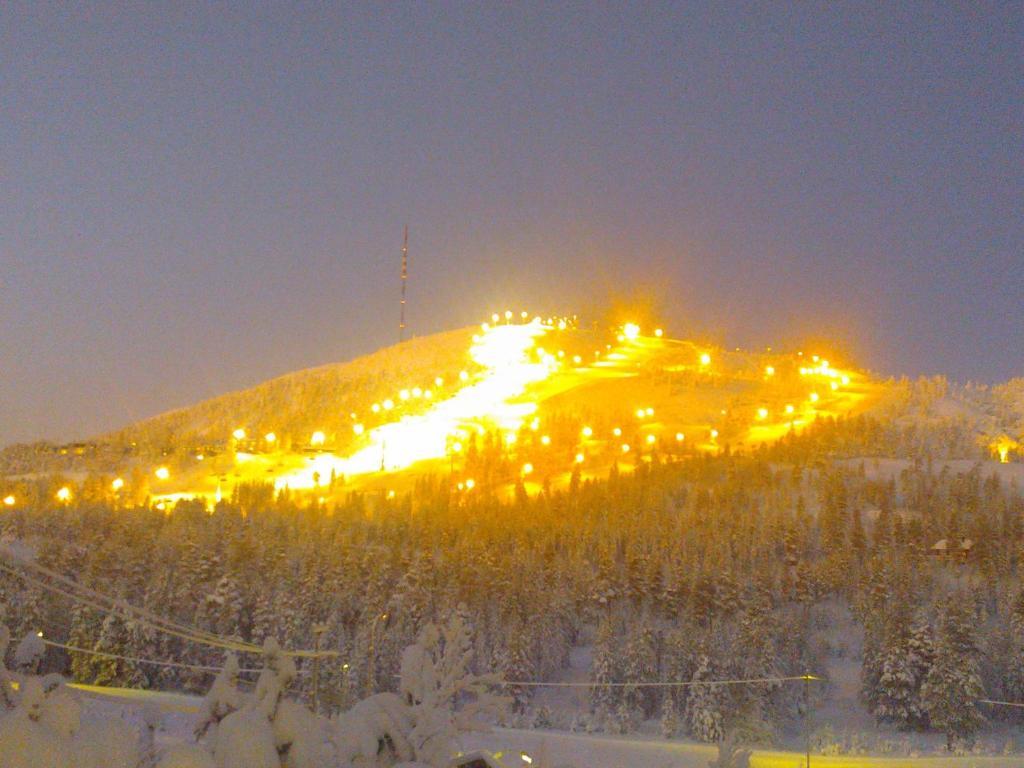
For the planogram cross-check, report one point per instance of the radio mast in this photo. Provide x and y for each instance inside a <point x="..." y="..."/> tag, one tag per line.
<point x="405" y="276"/>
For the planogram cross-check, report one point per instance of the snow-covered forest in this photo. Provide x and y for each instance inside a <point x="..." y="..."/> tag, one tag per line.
<point x="694" y="571"/>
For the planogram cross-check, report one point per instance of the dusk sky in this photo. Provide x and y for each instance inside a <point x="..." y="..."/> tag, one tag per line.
<point x="194" y="199"/>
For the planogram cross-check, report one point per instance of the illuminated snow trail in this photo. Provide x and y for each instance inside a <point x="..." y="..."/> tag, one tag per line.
<point x="504" y="352"/>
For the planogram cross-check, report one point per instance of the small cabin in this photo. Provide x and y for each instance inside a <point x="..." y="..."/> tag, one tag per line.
<point x="944" y="549"/>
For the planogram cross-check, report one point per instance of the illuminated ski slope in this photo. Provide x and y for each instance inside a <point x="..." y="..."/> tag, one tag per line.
<point x="556" y="398"/>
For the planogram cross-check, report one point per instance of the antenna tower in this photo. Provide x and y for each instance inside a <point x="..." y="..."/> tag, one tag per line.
<point x="405" y="275"/>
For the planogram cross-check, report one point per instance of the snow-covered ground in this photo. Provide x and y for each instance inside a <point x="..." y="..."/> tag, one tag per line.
<point x="546" y="749"/>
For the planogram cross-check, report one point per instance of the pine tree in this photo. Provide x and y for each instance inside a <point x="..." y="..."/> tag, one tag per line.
<point x="705" y="718"/>
<point x="669" y="718"/>
<point x="953" y="684"/>
<point x="603" y="698"/>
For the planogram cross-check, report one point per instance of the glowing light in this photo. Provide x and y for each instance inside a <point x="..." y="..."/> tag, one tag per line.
<point x="705" y="359"/>
<point x="319" y="438"/>
<point x="845" y="380"/>
<point x="631" y="331"/>
<point x="833" y="385"/>
<point x="562" y="325"/>
<point x="1004" y="454"/>
<point x="417" y="392"/>
<point x="495" y="318"/>
<point x="456" y="447"/>
<point x="118" y="484"/>
<point x="651" y="439"/>
<point x="580" y="458"/>
<point x="769" y="371"/>
<point x="9" y="500"/>
<point x="545" y="440"/>
<point x="535" y="424"/>
<point x="463" y="376"/>
<point x="526" y="758"/>
<point x="471" y="484"/>
<point x="358" y="429"/>
<point x="527" y="468"/>
<point x="762" y="414"/>
<point x="640" y="413"/>
<point x="200" y="457"/>
<point x="680" y="437"/>
<point x="587" y="432"/>
<point x="162" y="473"/>
<point x="388" y="404"/>
<point x="576" y="359"/>
<point x="270" y="437"/>
<point x="649" y="411"/>
<point x="814" y="397"/>
<point x="438" y="382"/>
<point x="511" y="438"/>
<point x="508" y="314"/>
<point x="161" y="505"/>
<point x="617" y="432"/>
<point x="658" y="332"/>
<point x="714" y="434"/>
<point x="625" y="447"/>
<point x="375" y="407"/>
<point x="238" y="434"/>
<point x="64" y="494"/>
<point x="391" y="494"/>
<point x="404" y="395"/>
<point x="790" y="409"/>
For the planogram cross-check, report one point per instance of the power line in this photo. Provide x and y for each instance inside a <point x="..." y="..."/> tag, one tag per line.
<point x="137" y="660"/>
<point x="1019" y="704"/>
<point x="662" y="684"/>
<point x="95" y="600"/>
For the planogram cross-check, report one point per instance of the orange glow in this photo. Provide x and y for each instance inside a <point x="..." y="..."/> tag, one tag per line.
<point x="651" y="439"/>
<point x="680" y="437"/>
<point x="64" y="494"/>
<point x="579" y="458"/>
<point x="527" y="468"/>
<point x="9" y="500"/>
<point x="270" y="437"/>
<point x="238" y="434"/>
<point x="318" y="438"/>
<point x="705" y="359"/>
<point x="631" y="331"/>
<point x="162" y="473"/>
<point x="587" y="432"/>
<point x="762" y="414"/>
<point x="118" y="484"/>
<point x="545" y="440"/>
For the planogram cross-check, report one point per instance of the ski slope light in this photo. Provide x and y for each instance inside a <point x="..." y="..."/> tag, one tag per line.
<point x="318" y="438"/>
<point x="9" y="500"/>
<point x="118" y="483"/>
<point x="631" y="331"/>
<point x="705" y="359"/>
<point x="238" y="434"/>
<point x="162" y="473"/>
<point x="270" y="437"/>
<point x="64" y="494"/>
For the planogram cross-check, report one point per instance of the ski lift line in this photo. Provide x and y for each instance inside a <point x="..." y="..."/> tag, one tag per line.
<point x="137" y="660"/>
<point x="96" y="595"/>
<point x="1019" y="704"/>
<point x="131" y="614"/>
<point x="662" y="684"/>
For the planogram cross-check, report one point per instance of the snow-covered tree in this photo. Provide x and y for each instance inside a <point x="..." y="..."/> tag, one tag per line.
<point x="953" y="684"/>
<point x="705" y="706"/>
